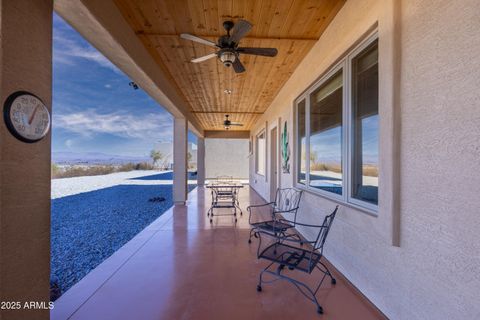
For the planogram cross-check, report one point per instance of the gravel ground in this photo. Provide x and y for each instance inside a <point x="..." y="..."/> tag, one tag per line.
<point x="92" y="217"/>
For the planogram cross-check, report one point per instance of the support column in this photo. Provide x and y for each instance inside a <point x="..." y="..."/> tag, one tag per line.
<point x="26" y="65"/>
<point x="200" y="161"/>
<point x="180" y="134"/>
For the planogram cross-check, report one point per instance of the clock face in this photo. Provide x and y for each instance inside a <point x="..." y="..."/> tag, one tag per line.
<point x="27" y="117"/>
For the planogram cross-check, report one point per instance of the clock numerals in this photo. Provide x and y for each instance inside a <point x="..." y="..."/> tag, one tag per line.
<point x="26" y="116"/>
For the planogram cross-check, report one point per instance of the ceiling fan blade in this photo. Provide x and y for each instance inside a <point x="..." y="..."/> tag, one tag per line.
<point x="197" y="39"/>
<point x="240" y="29"/>
<point x="267" y="52"/>
<point x="208" y="56"/>
<point x="238" y="66"/>
<point x="236" y="124"/>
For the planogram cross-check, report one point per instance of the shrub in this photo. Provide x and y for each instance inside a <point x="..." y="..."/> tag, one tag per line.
<point x="80" y="171"/>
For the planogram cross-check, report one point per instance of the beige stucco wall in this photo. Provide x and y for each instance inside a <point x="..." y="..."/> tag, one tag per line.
<point x="25" y="64"/>
<point x="429" y="106"/>
<point x="226" y="157"/>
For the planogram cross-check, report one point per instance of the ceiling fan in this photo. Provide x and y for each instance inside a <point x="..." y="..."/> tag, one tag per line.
<point x="229" y="51"/>
<point x="227" y="123"/>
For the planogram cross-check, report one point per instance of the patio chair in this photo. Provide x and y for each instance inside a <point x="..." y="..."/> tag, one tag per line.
<point x="276" y="217"/>
<point x="284" y="252"/>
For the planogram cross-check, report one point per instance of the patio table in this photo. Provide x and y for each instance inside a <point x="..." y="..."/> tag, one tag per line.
<point x="224" y="196"/>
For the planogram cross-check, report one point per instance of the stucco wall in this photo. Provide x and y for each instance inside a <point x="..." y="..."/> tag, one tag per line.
<point x="433" y="81"/>
<point x="25" y="64"/>
<point x="226" y="157"/>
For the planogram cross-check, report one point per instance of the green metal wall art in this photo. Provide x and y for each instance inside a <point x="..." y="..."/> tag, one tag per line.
<point x="285" y="150"/>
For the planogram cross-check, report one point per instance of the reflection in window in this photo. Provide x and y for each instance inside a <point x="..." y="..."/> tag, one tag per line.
<point x="302" y="151"/>
<point x="326" y="135"/>
<point x="260" y="153"/>
<point x="365" y="125"/>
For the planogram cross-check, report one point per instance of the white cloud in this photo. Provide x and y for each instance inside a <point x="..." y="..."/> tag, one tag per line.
<point x="66" y="51"/>
<point x="69" y="143"/>
<point x="89" y="122"/>
<point x="108" y="86"/>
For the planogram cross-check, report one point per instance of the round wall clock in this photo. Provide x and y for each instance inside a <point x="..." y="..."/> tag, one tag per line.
<point x="26" y="116"/>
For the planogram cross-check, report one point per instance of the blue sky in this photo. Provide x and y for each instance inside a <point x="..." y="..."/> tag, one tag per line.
<point x="94" y="108"/>
<point x="327" y="144"/>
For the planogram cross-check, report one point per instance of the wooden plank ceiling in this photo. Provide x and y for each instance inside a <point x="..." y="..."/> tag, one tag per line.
<point x="292" y="27"/>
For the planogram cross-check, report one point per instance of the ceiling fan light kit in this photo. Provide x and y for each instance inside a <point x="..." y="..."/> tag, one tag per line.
<point x="229" y="51"/>
<point x="227" y="57"/>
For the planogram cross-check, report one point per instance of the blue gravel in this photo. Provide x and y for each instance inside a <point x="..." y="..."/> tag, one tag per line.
<point x="87" y="228"/>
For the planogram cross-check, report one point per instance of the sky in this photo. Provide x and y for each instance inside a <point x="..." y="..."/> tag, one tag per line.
<point x="94" y="108"/>
<point x="327" y="144"/>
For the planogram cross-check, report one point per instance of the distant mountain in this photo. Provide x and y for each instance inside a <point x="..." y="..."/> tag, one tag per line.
<point x="94" y="158"/>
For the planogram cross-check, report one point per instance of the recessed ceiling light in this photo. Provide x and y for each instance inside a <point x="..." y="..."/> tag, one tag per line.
<point x="227" y="91"/>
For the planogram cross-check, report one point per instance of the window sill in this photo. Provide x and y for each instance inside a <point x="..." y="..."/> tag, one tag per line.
<point x="370" y="212"/>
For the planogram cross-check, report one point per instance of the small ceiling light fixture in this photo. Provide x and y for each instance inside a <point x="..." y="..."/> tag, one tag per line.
<point x="133" y="85"/>
<point x="227" y="91"/>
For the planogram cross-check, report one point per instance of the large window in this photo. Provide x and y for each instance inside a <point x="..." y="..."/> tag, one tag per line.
<point x="260" y="159"/>
<point x="365" y="125"/>
<point x="337" y="131"/>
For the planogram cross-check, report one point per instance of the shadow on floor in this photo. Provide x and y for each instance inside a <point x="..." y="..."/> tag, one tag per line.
<point x="164" y="176"/>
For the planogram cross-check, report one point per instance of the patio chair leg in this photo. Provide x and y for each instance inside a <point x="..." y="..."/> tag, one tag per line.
<point x="250" y="236"/>
<point x="259" y="286"/>
<point x="303" y="288"/>
<point x="328" y="273"/>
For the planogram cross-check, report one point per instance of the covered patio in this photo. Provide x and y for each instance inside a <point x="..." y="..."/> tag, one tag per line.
<point x="184" y="267"/>
<point x="368" y="105"/>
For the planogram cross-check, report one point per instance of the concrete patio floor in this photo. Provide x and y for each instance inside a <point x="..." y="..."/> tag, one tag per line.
<point x="183" y="267"/>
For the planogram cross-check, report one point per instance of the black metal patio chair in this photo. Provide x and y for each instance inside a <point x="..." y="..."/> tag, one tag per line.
<point x="276" y="217"/>
<point x="285" y="252"/>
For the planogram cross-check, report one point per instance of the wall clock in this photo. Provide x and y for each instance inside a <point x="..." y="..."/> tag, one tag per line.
<point x="26" y="116"/>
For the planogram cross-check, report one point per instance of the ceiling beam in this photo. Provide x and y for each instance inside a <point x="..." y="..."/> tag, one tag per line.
<point x="226" y="112"/>
<point x="227" y="134"/>
<point x="167" y="35"/>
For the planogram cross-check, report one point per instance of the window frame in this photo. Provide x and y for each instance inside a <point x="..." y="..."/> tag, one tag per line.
<point x="345" y="65"/>
<point x="297" y="157"/>
<point x="257" y="148"/>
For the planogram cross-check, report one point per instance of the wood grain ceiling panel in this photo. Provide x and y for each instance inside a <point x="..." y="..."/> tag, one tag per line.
<point x="292" y="27"/>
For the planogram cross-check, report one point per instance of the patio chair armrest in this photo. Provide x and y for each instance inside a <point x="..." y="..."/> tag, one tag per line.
<point x="259" y="205"/>
<point x="288" y="211"/>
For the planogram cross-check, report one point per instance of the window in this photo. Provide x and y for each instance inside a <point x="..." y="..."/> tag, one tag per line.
<point x="260" y="153"/>
<point x="326" y="135"/>
<point x="365" y="125"/>
<point x="337" y="131"/>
